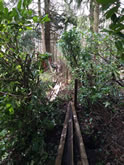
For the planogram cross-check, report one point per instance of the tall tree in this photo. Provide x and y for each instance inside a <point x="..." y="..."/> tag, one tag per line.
<point x="91" y="16"/>
<point x="96" y="17"/>
<point x="47" y="25"/>
<point x="42" y="28"/>
<point x="94" y="14"/>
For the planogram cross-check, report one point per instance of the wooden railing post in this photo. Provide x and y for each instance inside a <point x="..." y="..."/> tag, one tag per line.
<point x="75" y="93"/>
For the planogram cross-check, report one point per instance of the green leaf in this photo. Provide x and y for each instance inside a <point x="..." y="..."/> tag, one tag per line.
<point x="105" y="2"/>
<point x="114" y="18"/>
<point x="119" y="45"/>
<point x="13" y="12"/>
<point x="35" y="19"/>
<point x="19" y="4"/>
<point x="1" y="55"/>
<point x="122" y="57"/>
<point x="29" y="28"/>
<point x="45" y="19"/>
<point x="26" y="3"/>
<point x="11" y="110"/>
<point x="108" y="31"/>
<point x="121" y="19"/>
<point x="30" y="12"/>
<point x="122" y="11"/>
<point x="8" y="105"/>
<point x="1" y="5"/>
<point x="6" y="11"/>
<point x="18" y="67"/>
<point x="111" y="12"/>
<point x="116" y="27"/>
<point x="119" y="28"/>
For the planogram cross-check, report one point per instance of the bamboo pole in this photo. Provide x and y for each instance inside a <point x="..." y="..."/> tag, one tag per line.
<point x="84" y="160"/>
<point x="75" y="93"/>
<point x="62" y="140"/>
<point x="70" y="151"/>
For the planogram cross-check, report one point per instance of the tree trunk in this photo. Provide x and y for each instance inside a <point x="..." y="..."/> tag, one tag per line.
<point x="96" y="17"/>
<point x="91" y="16"/>
<point x="47" y="26"/>
<point x="42" y="28"/>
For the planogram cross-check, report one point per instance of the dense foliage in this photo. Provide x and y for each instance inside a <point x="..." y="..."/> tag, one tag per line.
<point x="97" y="65"/>
<point x="25" y="114"/>
<point x="114" y="10"/>
<point x="100" y="92"/>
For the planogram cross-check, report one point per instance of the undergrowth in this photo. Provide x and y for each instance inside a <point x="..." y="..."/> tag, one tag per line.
<point x="95" y="62"/>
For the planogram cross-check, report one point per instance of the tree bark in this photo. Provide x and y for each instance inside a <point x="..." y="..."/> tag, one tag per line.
<point x="96" y="17"/>
<point x="91" y="16"/>
<point x="47" y="26"/>
<point x="42" y="28"/>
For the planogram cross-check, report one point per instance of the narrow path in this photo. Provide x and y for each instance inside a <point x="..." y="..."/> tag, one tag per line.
<point x="54" y="92"/>
<point x="60" y="85"/>
<point x="71" y="141"/>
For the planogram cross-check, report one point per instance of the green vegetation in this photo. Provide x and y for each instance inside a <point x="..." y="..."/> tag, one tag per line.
<point x="30" y="125"/>
<point x="25" y="113"/>
<point x="94" y="60"/>
<point x="114" y="11"/>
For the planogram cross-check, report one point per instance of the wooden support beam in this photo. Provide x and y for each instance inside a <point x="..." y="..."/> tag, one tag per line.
<point x="75" y="93"/>
<point x="84" y="160"/>
<point x="70" y="159"/>
<point x="62" y="140"/>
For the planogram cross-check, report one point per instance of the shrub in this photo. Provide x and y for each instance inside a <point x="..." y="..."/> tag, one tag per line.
<point x="97" y="65"/>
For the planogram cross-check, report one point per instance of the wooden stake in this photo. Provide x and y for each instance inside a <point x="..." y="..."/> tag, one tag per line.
<point x="75" y="93"/>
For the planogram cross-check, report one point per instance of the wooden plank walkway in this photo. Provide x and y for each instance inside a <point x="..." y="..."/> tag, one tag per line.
<point x="66" y="154"/>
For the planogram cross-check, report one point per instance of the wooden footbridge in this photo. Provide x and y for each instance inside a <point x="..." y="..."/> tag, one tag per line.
<point x="71" y="150"/>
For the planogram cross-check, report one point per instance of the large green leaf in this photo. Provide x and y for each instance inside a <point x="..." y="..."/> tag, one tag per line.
<point x="45" y="19"/>
<point x="111" y="12"/>
<point x="14" y="12"/>
<point x="121" y="19"/>
<point x="35" y="19"/>
<point x="122" y="57"/>
<point x="23" y="4"/>
<point x="26" y="3"/>
<point x="119" y="45"/>
<point x="6" y="11"/>
<point x="19" y="4"/>
<point x="116" y="27"/>
<point x="1" y="6"/>
<point x="114" y="18"/>
<point x="105" y="2"/>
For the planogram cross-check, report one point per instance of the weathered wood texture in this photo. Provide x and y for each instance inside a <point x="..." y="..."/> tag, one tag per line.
<point x="62" y="140"/>
<point x="66" y="149"/>
<point x="69" y="141"/>
<point x="75" y="93"/>
<point x="84" y="160"/>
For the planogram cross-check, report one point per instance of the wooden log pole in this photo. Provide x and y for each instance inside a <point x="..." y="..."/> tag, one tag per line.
<point x="83" y="156"/>
<point x="75" y="93"/>
<point x="58" y="160"/>
<point x="70" y="159"/>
